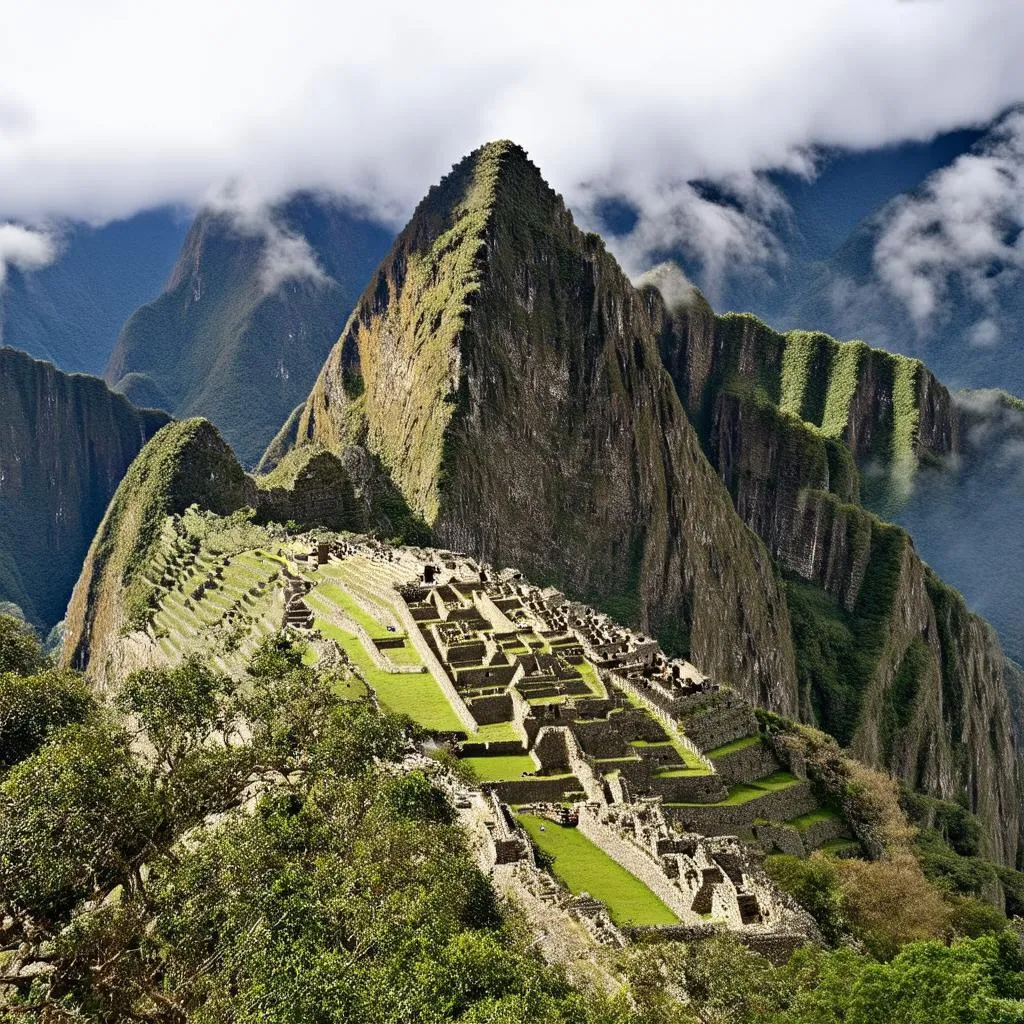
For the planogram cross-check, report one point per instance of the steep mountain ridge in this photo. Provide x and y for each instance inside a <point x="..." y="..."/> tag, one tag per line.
<point x="507" y="375"/>
<point x="248" y="311"/>
<point x="890" y="661"/>
<point x="65" y="443"/>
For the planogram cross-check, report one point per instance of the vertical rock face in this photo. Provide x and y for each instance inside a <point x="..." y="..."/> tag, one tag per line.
<point x="889" y="658"/>
<point x="65" y="443"/>
<point x="508" y="377"/>
<point x="248" y="316"/>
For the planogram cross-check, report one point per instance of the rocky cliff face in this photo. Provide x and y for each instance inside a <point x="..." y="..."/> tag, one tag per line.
<point x="248" y="316"/>
<point x="889" y="658"/>
<point x="507" y="375"/>
<point x="65" y="443"/>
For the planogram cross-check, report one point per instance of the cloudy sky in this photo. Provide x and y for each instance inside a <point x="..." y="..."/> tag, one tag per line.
<point x="110" y="107"/>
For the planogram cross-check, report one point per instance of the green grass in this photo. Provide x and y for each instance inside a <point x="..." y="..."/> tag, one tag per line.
<point x="745" y="792"/>
<point x="839" y="846"/>
<point x="497" y="731"/>
<point x="731" y="748"/>
<point x="583" y="867"/>
<point x="343" y="600"/>
<point x="591" y="678"/>
<point x="692" y="765"/>
<point x="415" y="694"/>
<point x="805" y="821"/>
<point x="504" y="768"/>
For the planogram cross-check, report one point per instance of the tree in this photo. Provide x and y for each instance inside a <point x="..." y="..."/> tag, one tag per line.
<point x="76" y="818"/>
<point x="178" y="708"/>
<point x="20" y="650"/>
<point x="32" y="707"/>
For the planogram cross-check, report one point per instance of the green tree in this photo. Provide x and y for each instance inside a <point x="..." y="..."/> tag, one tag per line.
<point x="20" y="650"/>
<point x="31" y="707"/>
<point x="76" y="817"/>
<point x="177" y="708"/>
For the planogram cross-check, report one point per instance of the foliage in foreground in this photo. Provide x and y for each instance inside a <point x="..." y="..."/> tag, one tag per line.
<point x="231" y="853"/>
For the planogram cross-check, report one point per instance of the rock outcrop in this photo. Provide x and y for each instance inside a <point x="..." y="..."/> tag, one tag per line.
<point x="65" y="443"/>
<point x="507" y="376"/>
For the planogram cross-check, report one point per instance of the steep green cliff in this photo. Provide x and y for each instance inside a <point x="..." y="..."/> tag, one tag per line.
<point x="889" y="659"/>
<point x="65" y="443"/>
<point x="507" y="376"/>
<point x="248" y="316"/>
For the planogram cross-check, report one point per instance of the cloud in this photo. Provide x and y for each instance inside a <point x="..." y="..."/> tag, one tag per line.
<point x="961" y="230"/>
<point x="107" y="108"/>
<point x="284" y="256"/>
<point x="24" y="248"/>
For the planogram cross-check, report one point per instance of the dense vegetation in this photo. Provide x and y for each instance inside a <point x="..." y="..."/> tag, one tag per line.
<point x="209" y="850"/>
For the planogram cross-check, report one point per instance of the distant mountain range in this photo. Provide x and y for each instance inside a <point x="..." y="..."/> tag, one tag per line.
<point x="250" y="311"/>
<point x="72" y="311"/>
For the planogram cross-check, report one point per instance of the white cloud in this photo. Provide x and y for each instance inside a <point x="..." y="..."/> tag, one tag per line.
<point x="962" y="228"/>
<point x="107" y="107"/>
<point x="284" y="256"/>
<point x="24" y="248"/>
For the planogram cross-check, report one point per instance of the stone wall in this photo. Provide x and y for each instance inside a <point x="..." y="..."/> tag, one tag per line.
<point x="549" y="749"/>
<point x="492" y="748"/>
<point x="435" y="668"/>
<point x="534" y="791"/>
<point x="629" y="855"/>
<point x="716" y="726"/>
<point x="753" y="762"/>
<point x="717" y="820"/>
<point x="705" y="789"/>
<point x="491" y="710"/>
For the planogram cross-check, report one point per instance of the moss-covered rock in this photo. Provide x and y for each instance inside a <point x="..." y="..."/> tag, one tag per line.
<point x="889" y="659"/>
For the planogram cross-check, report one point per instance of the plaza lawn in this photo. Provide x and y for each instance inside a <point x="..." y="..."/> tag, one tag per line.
<point x="504" y="768"/>
<point x="415" y="694"/>
<point x="584" y="867"/>
<point x="497" y="731"/>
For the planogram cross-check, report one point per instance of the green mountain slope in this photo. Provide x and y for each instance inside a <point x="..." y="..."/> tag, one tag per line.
<point x="240" y="333"/>
<point x="507" y="376"/>
<point x="65" y="443"/>
<point x="890" y="659"/>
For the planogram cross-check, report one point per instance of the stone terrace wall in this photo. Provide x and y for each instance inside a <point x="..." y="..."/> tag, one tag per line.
<point x="534" y="791"/>
<point x="705" y="789"/>
<point x="720" y="820"/>
<point x="716" y="726"/>
<point x="753" y="762"/>
<point x="490" y="710"/>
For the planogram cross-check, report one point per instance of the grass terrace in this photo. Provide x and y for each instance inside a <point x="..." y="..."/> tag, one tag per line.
<point x="691" y="764"/>
<point x="732" y="748"/>
<point x="506" y="768"/>
<point x="805" y="821"/>
<point x="584" y="867"/>
<point x="745" y="792"/>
